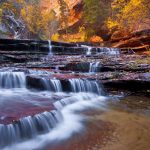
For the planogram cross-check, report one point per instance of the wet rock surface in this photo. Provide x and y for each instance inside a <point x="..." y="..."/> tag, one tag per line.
<point x="50" y="68"/>
<point x="112" y="67"/>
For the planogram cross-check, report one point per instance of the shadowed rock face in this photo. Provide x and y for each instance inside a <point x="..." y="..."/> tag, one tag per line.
<point x="12" y="26"/>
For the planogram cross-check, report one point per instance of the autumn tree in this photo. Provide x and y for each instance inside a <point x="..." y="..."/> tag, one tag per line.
<point x="64" y="14"/>
<point x="37" y="20"/>
<point x="95" y="13"/>
<point x="128" y="14"/>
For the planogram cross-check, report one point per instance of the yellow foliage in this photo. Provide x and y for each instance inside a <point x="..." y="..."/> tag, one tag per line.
<point x="1" y="12"/>
<point x="78" y="37"/>
<point x="128" y="14"/>
<point x="96" y="39"/>
<point x="37" y="21"/>
<point x="55" y="37"/>
<point x="112" y="24"/>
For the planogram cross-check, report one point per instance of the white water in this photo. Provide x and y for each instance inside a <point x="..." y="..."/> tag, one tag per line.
<point x="89" y="49"/>
<point x="94" y="67"/>
<point x="109" y="51"/>
<point x="12" y="80"/>
<point x="83" y="85"/>
<point x="50" y="48"/>
<point x="102" y="50"/>
<point x="57" y="85"/>
<point x="52" y="85"/>
<point x="35" y="132"/>
<point x="71" y="123"/>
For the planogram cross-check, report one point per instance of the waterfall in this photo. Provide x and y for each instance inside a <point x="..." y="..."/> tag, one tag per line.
<point x="83" y="85"/>
<point x="39" y="72"/>
<point x="12" y="80"/>
<point x="110" y="51"/>
<point x="89" y="48"/>
<point x="52" y="84"/>
<point x="52" y="124"/>
<point x="57" y="68"/>
<point x="76" y="85"/>
<point x="29" y="127"/>
<point x="57" y="85"/>
<point x="50" y="48"/>
<point x="94" y="67"/>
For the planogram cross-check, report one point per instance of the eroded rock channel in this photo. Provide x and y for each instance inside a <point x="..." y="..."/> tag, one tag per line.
<point x="62" y="95"/>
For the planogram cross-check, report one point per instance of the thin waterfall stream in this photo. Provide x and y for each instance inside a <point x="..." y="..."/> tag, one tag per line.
<point x="50" y="48"/>
<point x="94" y="67"/>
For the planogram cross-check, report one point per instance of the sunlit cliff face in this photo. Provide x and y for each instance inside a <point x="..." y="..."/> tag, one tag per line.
<point x="53" y="4"/>
<point x="49" y="5"/>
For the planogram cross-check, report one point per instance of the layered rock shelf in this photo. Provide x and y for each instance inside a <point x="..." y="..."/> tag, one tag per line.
<point x="70" y="60"/>
<point x="44" y="82"/>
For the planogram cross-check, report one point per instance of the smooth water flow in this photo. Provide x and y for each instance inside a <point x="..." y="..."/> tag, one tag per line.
<point x="29" y="127"/>
<point x="50" y="48"/>
<point x="40" y="107"/>
<point x="52" y="85"/>
<point x="83" y="85"/>
<point x="10" y="80"/>
<point x="94" y="67"/>
<point x="75" y="85"/>
<point x="57" y="85"/>
<point x="51" y="126"/>
<point x="32" y="115"/>
<point x="88" y="49"/>
<point x="101" y="50"/>
<point x="109" y="51"/>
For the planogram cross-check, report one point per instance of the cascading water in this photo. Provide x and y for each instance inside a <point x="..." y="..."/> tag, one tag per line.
<point x="57" y="85"/>
<point x="109" y="51"/>
<point x="50" y="48"/>
<point x="29" y="127"/>
<point x="49" y="126"/>
<point x="83" y="85"/>
<point x="88" y="49"/>
<point x="52" y="85"/>
<point x="12" y="80"/>
<point x="94" y="67"/>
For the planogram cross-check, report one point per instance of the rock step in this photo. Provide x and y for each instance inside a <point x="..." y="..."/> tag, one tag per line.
<point x="58" y="48"/>
<point x="35" y="42"/>
<point x="85" y="67"/>
<point x="20" y="58"/>
<point x="130" y="85"/>
<point x="36" y="82"/>
<point x="22" y="52"/>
